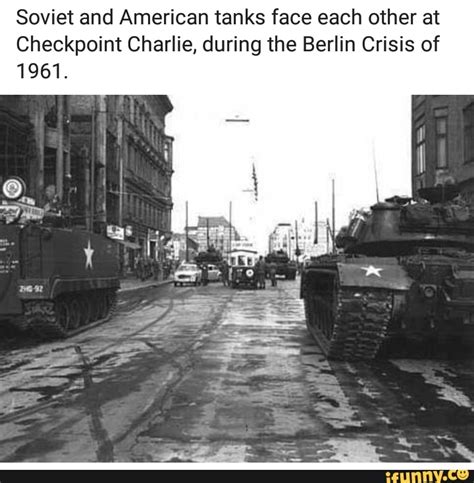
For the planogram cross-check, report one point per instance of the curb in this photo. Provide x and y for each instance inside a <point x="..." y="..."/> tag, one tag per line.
<point x="148" y="285"/>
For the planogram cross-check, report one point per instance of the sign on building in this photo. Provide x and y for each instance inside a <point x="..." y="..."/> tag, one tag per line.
<point x="115" y="232"/>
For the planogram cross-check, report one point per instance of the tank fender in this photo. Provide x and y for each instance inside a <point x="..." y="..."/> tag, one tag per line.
<point x="387" y="276"/>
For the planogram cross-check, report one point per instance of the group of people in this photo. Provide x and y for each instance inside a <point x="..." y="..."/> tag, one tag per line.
<point x="146" y="267"/>
<point x="261" y="270"/>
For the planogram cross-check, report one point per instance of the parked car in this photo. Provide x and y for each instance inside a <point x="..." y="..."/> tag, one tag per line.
<point x="187" y="273"/>
<point x="214" y="274"/>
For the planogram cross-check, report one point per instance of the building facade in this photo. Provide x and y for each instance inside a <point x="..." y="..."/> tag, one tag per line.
<point x="281" y="238"/>
<point x="183" y="247"/>
<point x="215" y="231"/>
<point x="298" y="240"/>
<point x="443" y="142"/>
<point x="107" y="157"/>
<point x="35" y="142"/>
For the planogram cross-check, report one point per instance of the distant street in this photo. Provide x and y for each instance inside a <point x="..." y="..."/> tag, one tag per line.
<point x="210" y="374"/>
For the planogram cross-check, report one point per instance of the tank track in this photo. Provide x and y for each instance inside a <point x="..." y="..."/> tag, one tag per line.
<point x="42" y="317"/>
<point x="360" y="319"/>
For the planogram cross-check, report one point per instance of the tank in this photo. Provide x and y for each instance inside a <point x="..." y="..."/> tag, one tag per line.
<point x="285" y="266"/>
<point x="54" y="280"/>
<point x="211" y="255"/>
<point x="403" y="271"/>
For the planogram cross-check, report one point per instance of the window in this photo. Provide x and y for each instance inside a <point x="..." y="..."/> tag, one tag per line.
<point x="468" y="117"/>
<point x="168" y="150"/>
<point x="441" y="142"/>
<point x="13" y="153"/>
<point x="420" y="149"/>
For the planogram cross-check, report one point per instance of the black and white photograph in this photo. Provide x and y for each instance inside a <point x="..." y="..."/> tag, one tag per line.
<point x="203" y="280"/>
<point x="237" y="236"/>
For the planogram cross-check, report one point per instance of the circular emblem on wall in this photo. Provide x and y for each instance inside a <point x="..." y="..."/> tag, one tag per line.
<point x="13" y="188"/>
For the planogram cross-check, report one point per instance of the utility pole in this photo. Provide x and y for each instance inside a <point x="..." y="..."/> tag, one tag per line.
<point x="186" y="233"/>
<point x="297" y="249"/>
<point x="91" y="161"/>
<point x="328" y="233"/>
<point x="60" y="148"/>
<point x="68" y="188"/>
<point x="207" y="232"/>
<point x="230" y="230"/>
<point x="236" y="120"/>
<point x="315" y="222"/>
<point x="39" y="130"/>
<point x="119" y="155"/>
<point x="333" y="218"/>
<point x="101" y="162"/>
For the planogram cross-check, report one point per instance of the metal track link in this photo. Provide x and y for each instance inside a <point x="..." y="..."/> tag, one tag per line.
<point x="42" y="318"/>
<point x="360" y="321"/>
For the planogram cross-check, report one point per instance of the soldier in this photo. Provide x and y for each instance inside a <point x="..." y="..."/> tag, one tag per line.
<point x="273" y="271"/>
<point x="140" y="269"/>
<point x="166" y="269"/>
<point x="225" y="273"/>
<point x="260" y="270"/>
<point x="204" y="274"/>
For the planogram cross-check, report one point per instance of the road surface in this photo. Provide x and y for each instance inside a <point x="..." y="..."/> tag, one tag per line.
<point x="210" y="374"/>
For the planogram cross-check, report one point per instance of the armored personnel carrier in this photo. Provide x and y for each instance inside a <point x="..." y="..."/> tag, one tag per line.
<point x="284" y="266"/>
<point x="54" y="280"/>
<point x="405" y="269"/>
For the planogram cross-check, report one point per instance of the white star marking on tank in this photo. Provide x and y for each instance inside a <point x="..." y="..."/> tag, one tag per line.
<point x="371" y="270"/>
<point x="89" y="252"/>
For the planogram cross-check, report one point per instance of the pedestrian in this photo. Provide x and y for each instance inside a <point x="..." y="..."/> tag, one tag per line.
<point x="156" y="268"/>
<point x="166" y="269"/>
<point x="225" y="273"/>
<point x="273" y="272"/>
<point x="146" y="268"/>
<point x="204" y="274"/>
<point x="140" y="269"/>
<point x="260" y="269"/>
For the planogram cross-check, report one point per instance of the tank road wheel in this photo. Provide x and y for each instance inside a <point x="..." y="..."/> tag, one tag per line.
<point x="110" y="302"/>
<point x="63" y="317"/>
<point x="20" y="323"/>
<point x="95" y="307"/>
<point x="75" y="313"/>
<point x="85" y="310"/>
<point x="101" y="305"/>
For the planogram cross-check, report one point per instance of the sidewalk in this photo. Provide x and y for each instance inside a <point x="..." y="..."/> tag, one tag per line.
<point x="127" y="284"/>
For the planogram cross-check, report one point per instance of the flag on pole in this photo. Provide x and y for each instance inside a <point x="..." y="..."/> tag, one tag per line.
<point x="255" y="182"/>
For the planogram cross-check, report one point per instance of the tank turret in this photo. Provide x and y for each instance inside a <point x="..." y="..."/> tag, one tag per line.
<point x="209" y="256"/>
<point x="400" y="225"/>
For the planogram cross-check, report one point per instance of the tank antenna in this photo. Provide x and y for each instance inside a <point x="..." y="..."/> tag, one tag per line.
<point x="375" y="172"/>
